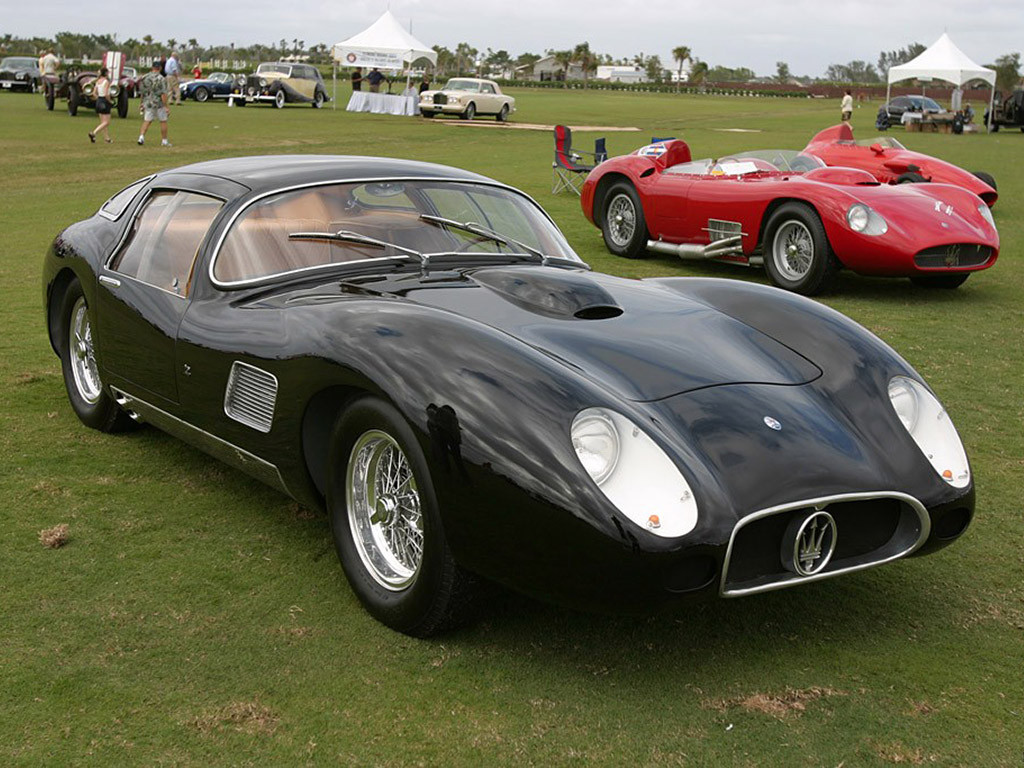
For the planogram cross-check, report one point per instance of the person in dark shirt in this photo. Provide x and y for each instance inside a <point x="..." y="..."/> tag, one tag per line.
<point x="357" y="79"/>
<point x="375" y="78"/>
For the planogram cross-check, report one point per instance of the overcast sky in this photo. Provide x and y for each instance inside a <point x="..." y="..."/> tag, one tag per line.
<point x="807" y="34"/>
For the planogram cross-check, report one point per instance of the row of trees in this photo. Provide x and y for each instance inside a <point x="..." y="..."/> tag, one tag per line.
<point x="465" y="59"/>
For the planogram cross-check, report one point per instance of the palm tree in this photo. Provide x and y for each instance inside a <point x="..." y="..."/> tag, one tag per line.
<point x="172" y="43"/>
<point x="681" y="54"/>
<point x="564" y="59"/>
<point x="587" y="60"/>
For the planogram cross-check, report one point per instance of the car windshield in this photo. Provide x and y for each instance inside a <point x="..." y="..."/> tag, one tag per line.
<point x="128" y="72"/>
<point x="886" y="142"/>
<point x="923" y="103"/>
<point x="484" y="222"/>
<point x="273" y="68"/>
<point x="220" y="77"/>
<point x="462" y="85"/>
<point x="750" y="161"/>
<point x="17" y="62"/>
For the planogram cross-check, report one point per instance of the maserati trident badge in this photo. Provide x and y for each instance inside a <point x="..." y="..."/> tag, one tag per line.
<point x="809" y="543"/>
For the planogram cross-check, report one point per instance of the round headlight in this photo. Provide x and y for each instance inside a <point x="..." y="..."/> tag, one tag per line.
<point x="263" y="82"/>
<point x="634" y="473"/>
<point x="597" y="444"/>
<point x="904" y="401"/>
<point x="929" y="425"/>
<point x="986" y="214"/>
<point x="858" y="217"/>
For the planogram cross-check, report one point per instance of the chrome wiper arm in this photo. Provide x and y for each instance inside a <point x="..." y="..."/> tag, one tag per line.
<point x="347" y="236"/>
<point x="479" y="229"/>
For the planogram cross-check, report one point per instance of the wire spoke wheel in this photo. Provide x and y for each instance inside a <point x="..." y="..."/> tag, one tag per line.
<point x="83" y="358"/>
<point x="621" y="220"/>
<point x="793" y="250"/>
<point x="384" y="511"/>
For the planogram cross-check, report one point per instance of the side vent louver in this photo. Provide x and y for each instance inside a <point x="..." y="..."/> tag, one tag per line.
<point x="250" y="396"/>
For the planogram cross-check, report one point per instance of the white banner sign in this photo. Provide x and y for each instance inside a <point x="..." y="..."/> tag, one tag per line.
<point x="349" y="57"/>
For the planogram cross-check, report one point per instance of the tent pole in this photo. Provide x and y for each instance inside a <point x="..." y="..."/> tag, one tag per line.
<point x="991" y="104"/>
<point x="334" y="79"/>
<point x="888" y="89"/>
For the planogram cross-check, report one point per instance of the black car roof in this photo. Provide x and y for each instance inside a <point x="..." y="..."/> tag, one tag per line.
<point x="269" y="172"/>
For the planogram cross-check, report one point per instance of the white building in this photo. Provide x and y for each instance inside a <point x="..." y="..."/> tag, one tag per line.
<point x="621" y="73"/>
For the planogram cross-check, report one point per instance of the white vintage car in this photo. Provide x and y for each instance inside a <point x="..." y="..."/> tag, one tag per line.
<point x="468" y="97"/>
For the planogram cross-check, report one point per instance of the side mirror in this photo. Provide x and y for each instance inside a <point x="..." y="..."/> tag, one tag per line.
<point x="878" y="149"/>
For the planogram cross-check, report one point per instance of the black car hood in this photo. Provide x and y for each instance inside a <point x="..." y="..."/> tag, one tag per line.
<point x="641" y="340"/>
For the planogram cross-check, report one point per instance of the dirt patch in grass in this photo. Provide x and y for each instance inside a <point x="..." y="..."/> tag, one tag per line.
<point x="244" y="716"/>
<point x="55" y="537"/>
<point x="537" y="126"/>
<point x="898" y="754"/>
<point x="791" y="702"/>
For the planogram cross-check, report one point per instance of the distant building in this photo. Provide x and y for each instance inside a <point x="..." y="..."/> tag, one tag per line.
<point x="548" y="69"/>
<point x="621" y="73"/>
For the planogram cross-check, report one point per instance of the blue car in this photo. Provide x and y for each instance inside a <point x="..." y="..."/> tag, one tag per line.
<point x="216" y="86"/>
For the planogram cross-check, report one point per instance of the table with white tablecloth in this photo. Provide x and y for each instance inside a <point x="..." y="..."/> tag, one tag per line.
<point x="384" y="103"/>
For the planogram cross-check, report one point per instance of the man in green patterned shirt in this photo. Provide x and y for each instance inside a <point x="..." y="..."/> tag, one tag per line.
<point x="153" y="90"/>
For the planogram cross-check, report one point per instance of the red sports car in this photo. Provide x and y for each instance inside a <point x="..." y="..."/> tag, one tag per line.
<point x="892" y="163"/>
<point x="786" y="210"/>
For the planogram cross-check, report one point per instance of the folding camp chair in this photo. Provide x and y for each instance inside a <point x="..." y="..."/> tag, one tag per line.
<point x="567" y="170"/>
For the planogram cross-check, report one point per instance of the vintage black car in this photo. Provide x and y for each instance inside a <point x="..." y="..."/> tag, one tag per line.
<point x="280" y="83"/>
<point x="20" y="73"/>
<point x="1008" y="112"/>
<point x="418" y="350"/>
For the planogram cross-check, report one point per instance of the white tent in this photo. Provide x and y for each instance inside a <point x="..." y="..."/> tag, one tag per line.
<point x="384" y="44"/>
<point x="943" y="61"/>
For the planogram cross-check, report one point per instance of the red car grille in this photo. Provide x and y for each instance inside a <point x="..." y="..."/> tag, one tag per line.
<point x="953" y="256"/>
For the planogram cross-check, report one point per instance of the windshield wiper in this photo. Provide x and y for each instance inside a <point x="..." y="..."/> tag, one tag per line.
<point x="347" y="236"/>
<point x="479" y="229"/>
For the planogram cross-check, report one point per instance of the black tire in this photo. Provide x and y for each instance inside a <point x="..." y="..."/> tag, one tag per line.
<point x="502" y="116"/>
<point x="89" y="398"/>
<point x="948" y="281"/>
<point x="74" y="97"/>
<point x="428" y="600"/>
<point x="797" y="254"/>
<point x="470" y="112"/>
<point x="122" y="104"/>
<point x="427" y="114"/>
<point x="280" y="98"/>
<point x="201" y="94"/>
<point x="49" y="96"/>
<point x="622" y="222"/>
<point x="910" y="177"/>
<point x="318" y="99"/>
<point x="987" y="177"/>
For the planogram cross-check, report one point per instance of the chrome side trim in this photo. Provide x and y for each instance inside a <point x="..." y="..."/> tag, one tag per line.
<point x="209" y="443"/>
<point x="250" y="396"/>
<point x="821" y="503"/>
<point x="215" y="251"/>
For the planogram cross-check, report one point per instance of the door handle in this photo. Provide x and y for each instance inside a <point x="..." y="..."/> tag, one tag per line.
<point x="111" y="281"/>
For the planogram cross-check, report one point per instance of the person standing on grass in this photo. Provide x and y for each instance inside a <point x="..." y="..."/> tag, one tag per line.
<point x="153" y="90"/>
<point x="847" y="106"/>
<point x="172" y="69"/>
<point x="101" y="90"/>
<point x="357" y="79"/>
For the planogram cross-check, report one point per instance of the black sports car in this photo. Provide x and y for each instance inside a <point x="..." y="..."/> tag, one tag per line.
<point x="418" y="350"/>
<point x="20" y="73"/>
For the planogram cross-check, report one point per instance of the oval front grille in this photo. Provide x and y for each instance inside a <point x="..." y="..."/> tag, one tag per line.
<point x="953" y="255"/>
<point x="250" y="397"/>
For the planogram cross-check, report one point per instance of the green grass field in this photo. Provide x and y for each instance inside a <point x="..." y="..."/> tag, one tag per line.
<point x="196" y="617"/>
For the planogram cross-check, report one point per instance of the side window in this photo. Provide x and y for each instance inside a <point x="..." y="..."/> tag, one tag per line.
<point x="165" y="238"/>
<point x="115" y="206"/>
<point x="488" y="88"/>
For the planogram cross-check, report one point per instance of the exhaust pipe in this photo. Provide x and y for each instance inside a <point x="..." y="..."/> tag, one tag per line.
<point x="125" y="402"/>
<point x="727" y="246"/>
